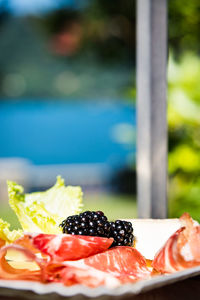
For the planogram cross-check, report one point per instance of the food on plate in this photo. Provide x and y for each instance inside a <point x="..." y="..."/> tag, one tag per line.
<point x="59" y="243"/>
<point x="182" y="249"/>
<point x="112" y="267"/>
<point x="9" y="273"/>
<point x="6" y="235"/>
<point x="120" y="261"/>
<point x="62" y="247"/>
<point x="81" y="249"/>
<point x="95" y="223"/>
<point x="44" y="211"/>
<point x="88" y="276"/>
<point x="2" y="243"/>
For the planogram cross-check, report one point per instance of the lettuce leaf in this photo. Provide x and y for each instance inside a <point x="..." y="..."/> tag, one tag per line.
<point x="44" y="211"/>
<point x="6" y="234"/>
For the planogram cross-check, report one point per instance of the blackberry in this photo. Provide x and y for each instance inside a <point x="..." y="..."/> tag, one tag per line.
<point x="122" y="233"/>
<point x="93" y="223"/>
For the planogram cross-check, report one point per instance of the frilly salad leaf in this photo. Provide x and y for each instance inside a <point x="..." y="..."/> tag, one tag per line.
<point x="44" y="211"/>
<point x="6" y="234"/>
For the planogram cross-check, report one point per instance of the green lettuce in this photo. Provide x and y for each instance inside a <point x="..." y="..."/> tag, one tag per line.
<point x="44" y="211"/>
<point x="6" y="234"/>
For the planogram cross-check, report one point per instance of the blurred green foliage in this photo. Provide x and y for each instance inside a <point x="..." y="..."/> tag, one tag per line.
<point x="184" y="135"/>
<point x="184" y="25"/>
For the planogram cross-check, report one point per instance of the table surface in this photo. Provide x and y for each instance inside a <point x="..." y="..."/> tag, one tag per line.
<point x="186" y="289"/>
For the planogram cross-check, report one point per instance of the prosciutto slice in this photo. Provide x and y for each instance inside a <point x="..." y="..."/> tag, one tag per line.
<point x="112" y="268"/>
<point x="121" y="261"/>
<point x="76" y="272"/>
<point x="63" y="247"/>
<point x="2" y="243"/>
<point x="10" y="273"/>
<point x="182" y="249"/>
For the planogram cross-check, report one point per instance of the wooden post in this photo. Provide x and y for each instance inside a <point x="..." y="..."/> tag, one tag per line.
<point x="151" y="108"/>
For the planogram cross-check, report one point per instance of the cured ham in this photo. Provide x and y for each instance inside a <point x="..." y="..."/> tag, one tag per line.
<point x="2" y="243"/>
<point x="112" y="267"/>
<point x="121" y="262"/>
<point x="182" y="249"/>
<point x="76" y="272"/>
<point x="63" y="247"/>
<point x="10" y="273"/>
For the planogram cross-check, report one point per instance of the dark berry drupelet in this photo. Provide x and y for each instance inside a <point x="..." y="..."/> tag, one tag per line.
<point x="93" y="223"/>
<point x="122" y="232"/>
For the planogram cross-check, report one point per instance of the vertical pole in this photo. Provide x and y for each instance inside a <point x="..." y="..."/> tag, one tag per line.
<point x="151" y="108"/>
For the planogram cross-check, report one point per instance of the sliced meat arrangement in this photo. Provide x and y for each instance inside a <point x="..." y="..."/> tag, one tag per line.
<point x="63" y="247"/>
<point x="112" y="267"/>
<point x="72" y="259"/>
<point x="182" y="249"/>
<point x="10" y="273"/>
<point x="76" y="272"/>
<point x="89" y="260"/>
<point x="120" y="262"/>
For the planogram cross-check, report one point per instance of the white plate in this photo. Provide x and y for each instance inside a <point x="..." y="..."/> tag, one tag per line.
<point x="38" y="291"/>
<point x="150" y="235"/>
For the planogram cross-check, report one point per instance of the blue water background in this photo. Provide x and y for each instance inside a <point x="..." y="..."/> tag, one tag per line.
<point x="59" y="132"/>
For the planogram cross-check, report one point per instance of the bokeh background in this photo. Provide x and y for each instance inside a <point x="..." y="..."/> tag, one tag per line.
<point x="67" y="101"/>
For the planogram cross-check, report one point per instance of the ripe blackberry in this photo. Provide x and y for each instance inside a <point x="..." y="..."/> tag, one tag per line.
<point x="122" y="232"/>
<point x="93" y="223"/>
